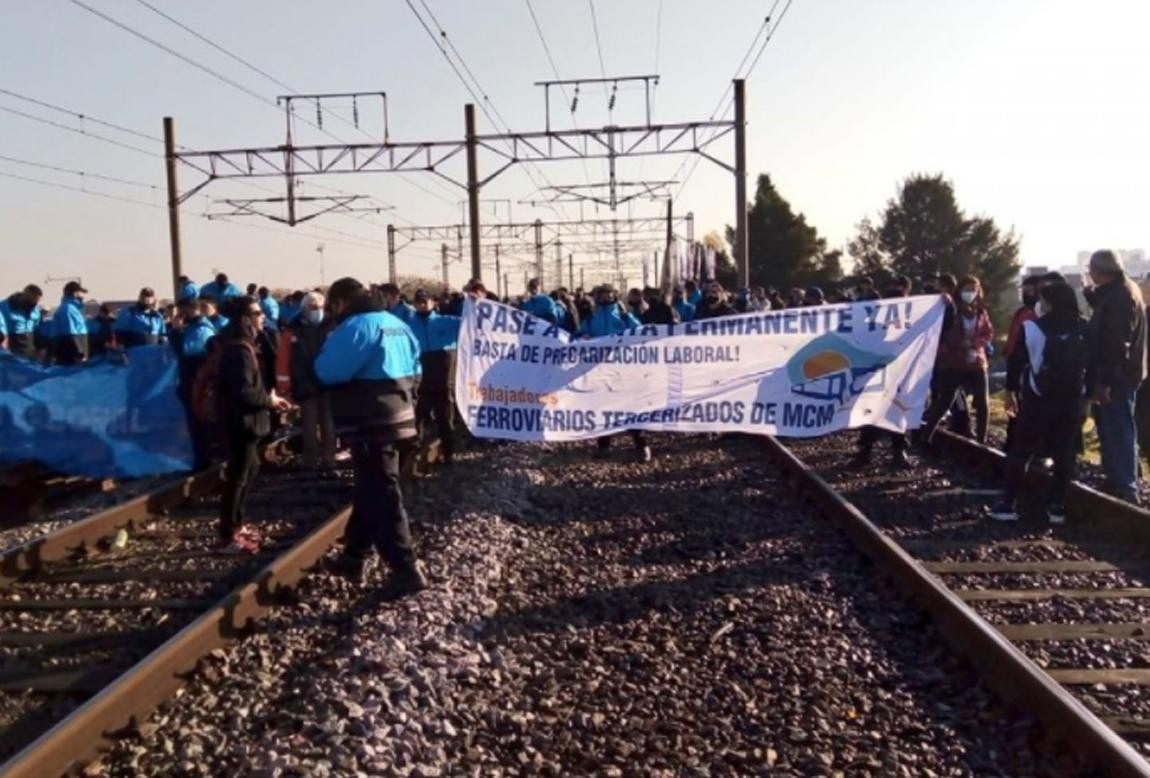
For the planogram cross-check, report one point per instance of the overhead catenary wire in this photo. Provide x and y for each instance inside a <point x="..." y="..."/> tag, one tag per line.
<point x="85" y="133"/>
<point x="82" y="173"/>
<point x="83" y="117"/>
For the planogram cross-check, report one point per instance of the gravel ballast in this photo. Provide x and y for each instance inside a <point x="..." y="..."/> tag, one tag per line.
<point x="683" y="617"/>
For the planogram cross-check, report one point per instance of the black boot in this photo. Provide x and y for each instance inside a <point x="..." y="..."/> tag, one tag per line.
<point x="404" y="582"/>
<point x="353" y="567"/>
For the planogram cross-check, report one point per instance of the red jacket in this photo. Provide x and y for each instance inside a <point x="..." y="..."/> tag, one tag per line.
<point x="954" y="347"/>
<point x="1021" y="316"/>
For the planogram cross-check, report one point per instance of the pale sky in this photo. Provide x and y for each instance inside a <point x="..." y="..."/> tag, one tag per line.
<point x="1038" y="110"/>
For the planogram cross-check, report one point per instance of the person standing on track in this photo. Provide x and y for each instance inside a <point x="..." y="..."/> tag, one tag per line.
<point x="140" y="324"/>
<point x="438" y="337"/>
<point x="962" y="362"/>
<point x="246" y="415"/>
<point x="610" y="319"/>
<point x="302" y="340"/>
<point x="371" y="362"/>
<point x="69" y="327"/>
<point x="1118" y="368"/>
<point x="1045" y="393"/>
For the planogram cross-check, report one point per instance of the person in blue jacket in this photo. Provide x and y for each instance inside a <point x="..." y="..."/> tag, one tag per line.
<point x="694" y="294"/>
<point x="609" y="318"/>
<point x="3" y="333"/>
<point x="541" y="305"/>
<point x="191" y="342"/>
<point x="188" y="289"/>
<point x="69" y="327"/>
<point x="270" y="307"/>
<point x="394" y="303"/>
<point x="211" y="312"/>
<point x="21" y="313"/>
<point x="371" y="362"/>
<point x="140" y="324"/>
<point x="221" y="289"/>
<point x="679" y="302"/>
<point x="438" y="336"/>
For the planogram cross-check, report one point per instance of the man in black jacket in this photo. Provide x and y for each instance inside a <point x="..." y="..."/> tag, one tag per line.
<point x="714" y="303"/>
<point x="1118" y="368"/>
<point x="245" y="412"/>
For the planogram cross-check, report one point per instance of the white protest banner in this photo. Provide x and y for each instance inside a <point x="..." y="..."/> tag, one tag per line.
<point x="797" y="372"/>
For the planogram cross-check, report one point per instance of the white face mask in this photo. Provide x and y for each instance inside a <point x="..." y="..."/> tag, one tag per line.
<point x="968" y="297"/>
<point x="313" y="316"/>
<point x="1040" y="309"/>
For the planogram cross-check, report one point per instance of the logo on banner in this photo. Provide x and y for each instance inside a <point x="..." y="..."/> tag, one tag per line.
<point x="830" y="368"/>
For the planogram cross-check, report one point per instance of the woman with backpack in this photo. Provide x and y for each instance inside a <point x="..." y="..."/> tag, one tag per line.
<point x="1045" y="393"/>
<point x="962" y="362"/>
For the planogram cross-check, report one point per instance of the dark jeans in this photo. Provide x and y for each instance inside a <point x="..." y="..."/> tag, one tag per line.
<point x="437" y="404"/>
<point x="950" y="384"/>
<point x="202" y="436"/>
<point x="636" y="435"/>
<point x="242" y="468"/>
<point x="869" y="435"/>
<point x="378" y="519"/>
<point x="1044" y="427"/>
<point x="1117" y="439"/>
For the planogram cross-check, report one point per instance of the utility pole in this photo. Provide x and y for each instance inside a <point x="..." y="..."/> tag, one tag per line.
<point x="443" y="261"/>
<point x="506" y="284"/>
<point x="173" y="204"/>
<point x="581" y="282"/>
<point x="571" y="271"/>
<point x="741" y="249"/>
<point x="618" y="268"/>
<point x="538" y="251"/>
<point x="668" y="271"/>
<point x="558" y="263"/>
<point x="391" y="253"/>
<point x="472" y="190"/>
<point x="498" y="273"/>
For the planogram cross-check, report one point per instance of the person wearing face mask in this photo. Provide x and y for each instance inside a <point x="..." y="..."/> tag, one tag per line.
<point x="961" y="366"/>
<point x="69" y="328"/>
<point x="438" y="337"/>
<point x="1118" y="367"/>
<point x="714" y="303"/>
<point x="21" y="313"/>
<point x="657" y="311"/>
<point x="246" y="407"/>
<point x="609" y="319"/>
<point x="370" y="362"/>
<point x="635" y="304"/>
<point x="211" y="312"/>
<point x="100" y="331"/>
<point x="300" y="344"/>
<point x="1045" y="394"/>
<point x="140" y="324"/>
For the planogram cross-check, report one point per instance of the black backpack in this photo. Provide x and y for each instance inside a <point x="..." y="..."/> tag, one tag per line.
<point x="1065" y="357"/>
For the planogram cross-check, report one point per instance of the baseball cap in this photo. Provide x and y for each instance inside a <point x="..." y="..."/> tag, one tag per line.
<point x="74" y="286"/>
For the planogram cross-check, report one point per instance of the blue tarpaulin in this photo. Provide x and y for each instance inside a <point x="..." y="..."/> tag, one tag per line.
<point x="105" y="419"/>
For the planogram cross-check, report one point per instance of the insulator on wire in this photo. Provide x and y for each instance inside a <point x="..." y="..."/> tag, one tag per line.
<point x="355" y="112"/>
<point x="575" y="99"/>
<point x="318" y="114"/>
<point x="614" y="93"/>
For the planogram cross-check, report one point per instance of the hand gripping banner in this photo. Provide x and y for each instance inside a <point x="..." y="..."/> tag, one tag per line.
<point x="797" y="372"/>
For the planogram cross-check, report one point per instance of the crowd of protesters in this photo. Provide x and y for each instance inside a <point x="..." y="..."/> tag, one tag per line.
<point x="377" y="369"/>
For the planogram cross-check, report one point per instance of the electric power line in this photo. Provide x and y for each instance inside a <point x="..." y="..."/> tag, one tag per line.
<point x="81" y="116"/>
<point x="81" y="173"/>
<point x="86" y="134"/>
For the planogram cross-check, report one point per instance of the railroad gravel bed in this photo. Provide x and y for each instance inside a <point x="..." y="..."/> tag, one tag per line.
<point x="682" y="617"/>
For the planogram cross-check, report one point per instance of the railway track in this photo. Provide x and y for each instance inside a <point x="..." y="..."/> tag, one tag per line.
<point x="32" y="490"/>
<point x="102" y="620"/>
<point x="1056" y="619"/>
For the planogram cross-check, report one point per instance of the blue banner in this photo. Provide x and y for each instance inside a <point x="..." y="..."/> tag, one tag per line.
<point x="105" y="419"/>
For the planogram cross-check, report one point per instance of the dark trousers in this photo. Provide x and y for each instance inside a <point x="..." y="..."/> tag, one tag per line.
<point x="201" y="435"/>
<point x="1044" y="427"/>
<point x="869" y="435"/>
<point x="636" y="435"/>
<point x="950" y="384"/>
<point x="437" y="404"/>
<point x="378" y="519"/>
<point x="242" y="468"/>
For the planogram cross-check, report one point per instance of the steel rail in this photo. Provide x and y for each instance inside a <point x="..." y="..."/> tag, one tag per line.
<point x="87" y="732"/>
<point x="1006" y="669"/>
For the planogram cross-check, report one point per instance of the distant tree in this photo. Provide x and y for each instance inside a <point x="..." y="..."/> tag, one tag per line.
<point x="409" y="284"/>
<point x="784" y="250"/>
<point x="924" y="232"/>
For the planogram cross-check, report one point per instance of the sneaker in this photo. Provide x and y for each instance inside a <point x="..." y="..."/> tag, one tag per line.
<point x="1004" y="510"/>
<point x="349" y="566"/>
<point x="1056" y="513"/>
<point x="405" y="582"/>
<point x="643" y="454"/>
<point x="244" y="540"/>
